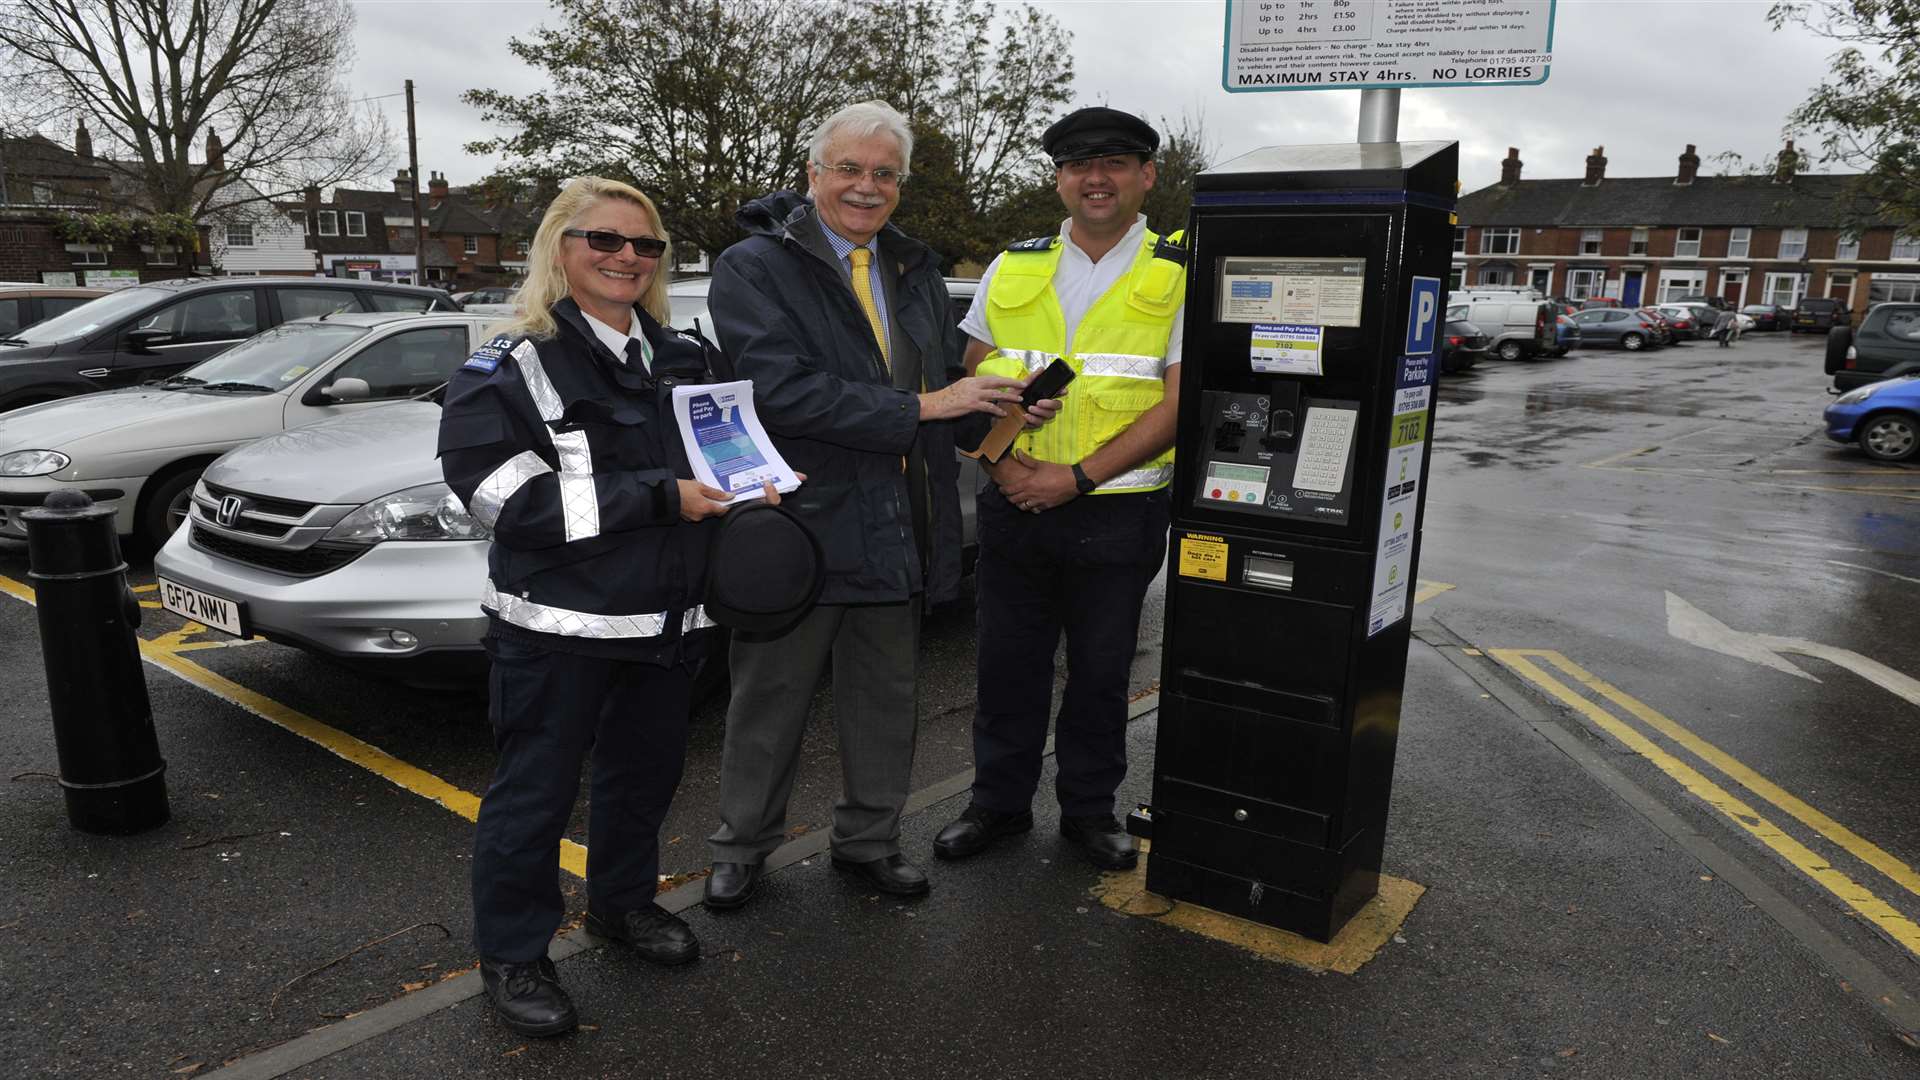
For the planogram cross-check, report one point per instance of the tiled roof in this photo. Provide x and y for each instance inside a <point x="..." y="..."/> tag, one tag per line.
<point x="1809" y="201"/>
<point x="41" y="157"/>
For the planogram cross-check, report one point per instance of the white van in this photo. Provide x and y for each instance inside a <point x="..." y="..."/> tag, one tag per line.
<point x="1519" y="324"/>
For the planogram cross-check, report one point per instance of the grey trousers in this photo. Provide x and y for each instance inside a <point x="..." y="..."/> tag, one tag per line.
<point x="875" y="653"/>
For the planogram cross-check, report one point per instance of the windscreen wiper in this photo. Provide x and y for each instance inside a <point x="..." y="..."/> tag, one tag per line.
<point x="177" y="380"/>
<point x="15" y="341"/>
<point x="237" y="386"/>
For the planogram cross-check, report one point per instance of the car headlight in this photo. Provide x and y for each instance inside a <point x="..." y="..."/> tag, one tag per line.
<point x="1860" y="394"/>
<point x="427" y="512"/>
<point x="33" y="463"/>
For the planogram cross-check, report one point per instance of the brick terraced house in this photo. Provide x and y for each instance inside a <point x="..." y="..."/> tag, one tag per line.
<point x="1650" y="239"/>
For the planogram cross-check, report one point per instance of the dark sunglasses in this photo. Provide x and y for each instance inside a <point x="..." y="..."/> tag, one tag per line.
<point x="647" y="247"/>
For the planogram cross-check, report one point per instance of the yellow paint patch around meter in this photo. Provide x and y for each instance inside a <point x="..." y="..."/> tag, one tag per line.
<point x="1357" y="942"/>
<point x="1203" y="556"/>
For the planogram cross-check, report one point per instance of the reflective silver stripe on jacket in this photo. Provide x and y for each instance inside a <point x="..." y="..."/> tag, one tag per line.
<point x="1147" y="477"/>
<point x="1122" y="365"/>
<point x="525" y="613"/>
<point x="492" y="494"/>
<point x="579" y="501"/>
<point x="1034" y="360"/>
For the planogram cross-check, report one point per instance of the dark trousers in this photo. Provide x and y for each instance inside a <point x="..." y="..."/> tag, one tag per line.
<point x="1083" y="570"/>
<point x="874" y="649"/>
<point x="548" y="710"/>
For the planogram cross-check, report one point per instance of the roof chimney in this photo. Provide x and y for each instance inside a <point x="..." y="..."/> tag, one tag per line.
<point x="437" y="188"/>
<point x="1596" y="167"/>
<point x="82" y="143"/>
<point x="216" y="153"/>
<point x="1510" y="168"/>
<point x="403" y="183"/>
<point x="1689" y="167"/>
<point x="1788" y="164"/>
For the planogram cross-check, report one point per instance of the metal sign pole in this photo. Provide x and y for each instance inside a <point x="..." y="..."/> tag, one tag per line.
<point x="1379" y="116"/>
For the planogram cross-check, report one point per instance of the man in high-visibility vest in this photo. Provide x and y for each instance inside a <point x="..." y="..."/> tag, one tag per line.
<point x="1074" y="527"/>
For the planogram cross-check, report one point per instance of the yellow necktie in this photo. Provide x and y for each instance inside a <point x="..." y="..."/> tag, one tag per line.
<point x="863" y="289"/>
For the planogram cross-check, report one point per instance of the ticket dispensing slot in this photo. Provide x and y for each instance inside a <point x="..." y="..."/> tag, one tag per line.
<point x="1267" y="572"/>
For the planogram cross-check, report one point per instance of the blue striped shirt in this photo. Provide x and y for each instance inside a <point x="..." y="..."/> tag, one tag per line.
<point x="843" y="247"/>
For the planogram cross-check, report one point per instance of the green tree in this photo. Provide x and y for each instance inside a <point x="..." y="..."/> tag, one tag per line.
<point x="1868" y="109"/>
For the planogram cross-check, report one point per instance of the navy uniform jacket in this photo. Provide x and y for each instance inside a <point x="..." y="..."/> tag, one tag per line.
<point x="570" y="456"/>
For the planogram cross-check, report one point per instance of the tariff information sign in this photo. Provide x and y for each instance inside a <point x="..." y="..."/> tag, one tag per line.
<point x="1386" y="44"/>
<point x="1399" y="501"/>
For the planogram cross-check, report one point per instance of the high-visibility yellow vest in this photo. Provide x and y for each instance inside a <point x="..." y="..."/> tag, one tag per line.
<point x="1118" y="349"/>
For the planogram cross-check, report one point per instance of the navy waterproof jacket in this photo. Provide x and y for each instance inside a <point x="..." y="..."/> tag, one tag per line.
<point x="570" y="456"/>
<point x="787" y="319"/>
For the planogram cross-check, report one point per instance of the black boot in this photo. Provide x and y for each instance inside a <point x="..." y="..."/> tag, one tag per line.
<point x="528" y="996"/>
<point x="1102" y="840"/>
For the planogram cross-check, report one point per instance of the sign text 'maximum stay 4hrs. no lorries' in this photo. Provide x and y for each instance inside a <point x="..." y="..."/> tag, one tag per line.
<point x="1376" y="44"/>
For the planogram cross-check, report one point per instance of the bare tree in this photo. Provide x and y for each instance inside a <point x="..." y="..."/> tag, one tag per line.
<point x="153" y="77"/>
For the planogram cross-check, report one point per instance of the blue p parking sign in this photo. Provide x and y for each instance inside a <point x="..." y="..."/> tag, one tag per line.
<point x="1423" y="316"/>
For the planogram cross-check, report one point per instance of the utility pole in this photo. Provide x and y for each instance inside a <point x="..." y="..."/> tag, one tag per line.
<point x="413" y="174"/>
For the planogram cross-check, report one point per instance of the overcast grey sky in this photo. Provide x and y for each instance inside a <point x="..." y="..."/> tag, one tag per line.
<point x="1641" y="77"/>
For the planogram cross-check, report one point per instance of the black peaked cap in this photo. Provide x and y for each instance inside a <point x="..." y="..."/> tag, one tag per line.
<point x="1097" y="131"/>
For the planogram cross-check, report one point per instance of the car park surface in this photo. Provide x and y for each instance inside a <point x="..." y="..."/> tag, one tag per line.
<point x="142" y="333"/>
<point x="140" y="449"/>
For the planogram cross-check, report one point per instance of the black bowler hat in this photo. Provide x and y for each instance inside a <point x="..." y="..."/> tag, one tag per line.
<point x="765" y="569"/>
<point x="1097" y="131"/>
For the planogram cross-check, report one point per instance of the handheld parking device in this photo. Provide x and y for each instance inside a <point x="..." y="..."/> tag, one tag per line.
<point x="1051" y="380"/>
<point x="1316" y="291"/>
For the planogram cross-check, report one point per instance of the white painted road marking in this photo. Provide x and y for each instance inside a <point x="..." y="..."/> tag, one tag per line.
<point x="1690" y="624"/>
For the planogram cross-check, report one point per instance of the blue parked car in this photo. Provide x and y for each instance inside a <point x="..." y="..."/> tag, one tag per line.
<point x="1566" y="336"/>
<point x="1883" y="417"/>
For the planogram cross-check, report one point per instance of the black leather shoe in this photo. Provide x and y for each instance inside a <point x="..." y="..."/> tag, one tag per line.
<point x="730" y="885"/>
<point x="1105" y="844"/>
<point x="655" y="933"/>
<point x="976" y="829"/>
<point x="528" y="997"/>
<point x="892" y="875"/>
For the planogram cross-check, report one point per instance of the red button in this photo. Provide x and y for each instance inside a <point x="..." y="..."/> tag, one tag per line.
<point x="1216" y="493"/>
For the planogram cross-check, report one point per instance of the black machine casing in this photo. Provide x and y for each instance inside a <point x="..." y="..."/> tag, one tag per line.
<point x="1282" y="663"/>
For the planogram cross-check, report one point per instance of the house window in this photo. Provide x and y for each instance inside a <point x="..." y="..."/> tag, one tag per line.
<point x="298" y="218"/>
<point x="356" y="223"/>
<point x="1793" y="244"/>
<point x="1496" y="276"/>
<point x="240" y="234"/>
<point x="1456" y="277"/>
<point x="163" y="256"/>
<point x="329" y="223"/>
<point x="1904" y="288"/>
<point x="1583" y="283"/>
<point x="1590" y="241"/>
<point x="1907" y="247"/>
<point x="1739" y="242"/>
<point x="522" y="246"/>
<point x="90" y="257"/>
<point x="1638" y="245"/>
<point x="1675" y="284"/>
<point x="42" y="194"/>
<point x="1847" y="247"/>
<point x="1500" y="241"/>
<point x="1460" y="240"/>
<point x="1686" y="244"/>
<point x="470" y="245"/>
<point x="1786" y="289"/>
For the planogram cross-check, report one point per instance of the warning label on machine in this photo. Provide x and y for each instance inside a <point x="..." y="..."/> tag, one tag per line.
<point x="1203" y="556"/>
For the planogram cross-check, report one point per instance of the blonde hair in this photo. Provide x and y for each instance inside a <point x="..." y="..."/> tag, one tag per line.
<point x="546" y="283"/>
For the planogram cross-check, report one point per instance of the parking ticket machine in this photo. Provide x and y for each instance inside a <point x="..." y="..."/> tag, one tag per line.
<point x="1314" y="308"/>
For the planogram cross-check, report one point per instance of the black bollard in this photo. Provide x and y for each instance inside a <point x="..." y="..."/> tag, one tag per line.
<point x="110" y="763"/>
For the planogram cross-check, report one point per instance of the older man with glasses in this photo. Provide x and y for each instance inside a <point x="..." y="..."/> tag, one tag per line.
<point x="842" y="322"/>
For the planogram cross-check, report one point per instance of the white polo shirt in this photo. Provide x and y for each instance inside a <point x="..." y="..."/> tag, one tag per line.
<point x="1078" y="282"/>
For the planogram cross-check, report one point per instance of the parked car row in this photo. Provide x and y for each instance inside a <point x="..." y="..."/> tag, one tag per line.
<point x="290" y="482"/>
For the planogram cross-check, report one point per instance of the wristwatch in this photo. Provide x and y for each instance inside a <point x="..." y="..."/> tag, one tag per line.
<point x="1081" y="481"/>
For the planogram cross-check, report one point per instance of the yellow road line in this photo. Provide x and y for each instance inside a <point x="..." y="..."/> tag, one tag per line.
<point x="1426" y="590"/>
<point x="164" y="654"/>
<point x="1849" y="892"/>
<point x="1605" y="462"/>
<point x="1859" y="847"/>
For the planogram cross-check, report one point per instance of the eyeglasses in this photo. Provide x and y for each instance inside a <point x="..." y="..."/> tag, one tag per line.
<point x="848" y="171"/>
<point x="647" y="247"/>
